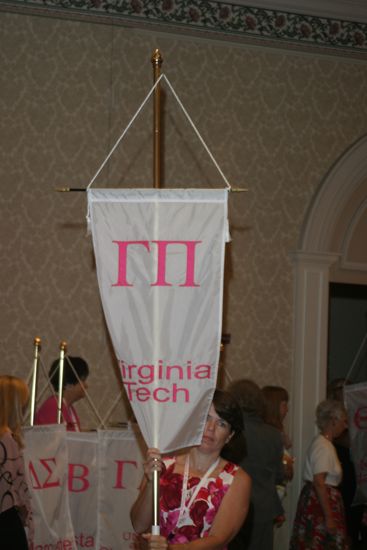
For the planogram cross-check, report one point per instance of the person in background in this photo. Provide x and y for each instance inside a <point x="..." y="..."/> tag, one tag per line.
<point x="263" y="462"/>
<point x="348" y="485"/>
<point x="276" y="408"/>
<point x="320" y="522"/>
<point x="15" y="509"/>
<point x="204" y="498"/>
<point x="74" y="386"/>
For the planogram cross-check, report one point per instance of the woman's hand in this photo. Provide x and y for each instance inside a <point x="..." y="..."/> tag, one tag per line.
<point x="155" y="542"/>
<point x="153" y="463"/>
<point x="288" y="461"/>
<point x="331" y="526"/>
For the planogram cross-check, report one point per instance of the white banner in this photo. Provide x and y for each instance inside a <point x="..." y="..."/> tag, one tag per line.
<point x="120" y="472"/>
<point x="82" y="487"/>
<point x="355" y="397"/>
<point x="160" y="259"/>
<point x="46" y="460"/>
<point x="83" y="478"/>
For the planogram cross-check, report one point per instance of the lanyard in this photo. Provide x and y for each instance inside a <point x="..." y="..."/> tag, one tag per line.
<point x="184" y="509"/>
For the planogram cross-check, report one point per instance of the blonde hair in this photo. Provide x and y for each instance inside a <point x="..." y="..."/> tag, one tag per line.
<point x="14" y="396"/>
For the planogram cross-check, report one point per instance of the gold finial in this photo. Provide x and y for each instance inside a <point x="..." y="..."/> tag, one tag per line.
<point x="37" y="341"/>
<point x="63" y="346"/>
<point x="157" y="58"/>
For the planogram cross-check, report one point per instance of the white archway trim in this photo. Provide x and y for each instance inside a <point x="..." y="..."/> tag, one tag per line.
<point x="360" y="214"/>
<point x="312" y="265"/>
<point x="311" y="296"/>
<point x="342" y="180"/>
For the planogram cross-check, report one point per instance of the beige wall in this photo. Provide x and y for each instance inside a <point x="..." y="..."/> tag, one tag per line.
<point x="275" y="121"/>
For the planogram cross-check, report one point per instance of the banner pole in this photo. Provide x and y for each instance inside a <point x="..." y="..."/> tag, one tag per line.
<point x="157" y="61"/>
<point x="155" y="526"/>
<point x="37" y="345"/>
<point x="63" y="347"/>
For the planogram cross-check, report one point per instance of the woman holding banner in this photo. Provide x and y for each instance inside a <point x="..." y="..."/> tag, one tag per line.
<point x="15" y="509"/>
<point x="204" y="498"/>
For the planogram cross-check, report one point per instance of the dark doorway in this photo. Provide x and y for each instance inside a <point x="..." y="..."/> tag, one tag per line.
<point x="347" y="343"/>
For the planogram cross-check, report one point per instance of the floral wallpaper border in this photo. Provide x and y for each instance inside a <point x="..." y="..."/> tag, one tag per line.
<point x="226" y="20"/>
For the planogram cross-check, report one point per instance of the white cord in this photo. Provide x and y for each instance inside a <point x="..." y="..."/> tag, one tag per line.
<point x="136" y="115"/>
<point x="197" y="132"/>
<point x="124" y="132"/>
<point x="109" y="412"/>
<point x="356" y="357"/>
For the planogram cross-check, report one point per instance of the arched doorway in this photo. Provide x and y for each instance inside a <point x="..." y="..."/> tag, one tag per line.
<point x="332" y="247"/>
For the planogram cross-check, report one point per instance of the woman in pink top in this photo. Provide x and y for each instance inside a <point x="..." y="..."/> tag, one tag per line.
<point x="76" y="372"/>
<point x="204" y="498"/>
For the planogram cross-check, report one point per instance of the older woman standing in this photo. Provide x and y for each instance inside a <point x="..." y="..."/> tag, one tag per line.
<point x="320" y="522"/>
<point x="204" y="498"/>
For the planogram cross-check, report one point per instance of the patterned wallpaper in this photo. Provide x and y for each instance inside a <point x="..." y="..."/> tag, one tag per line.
<point x="275" y="121"/>
<point x="228" y="20"/>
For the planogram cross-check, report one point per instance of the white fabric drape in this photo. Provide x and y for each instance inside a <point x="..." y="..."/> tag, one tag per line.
<point x="355" y="397"/>
<point x="46" y="461"/>
<point x="160" y="258"/>
<point x="82" y="487"/>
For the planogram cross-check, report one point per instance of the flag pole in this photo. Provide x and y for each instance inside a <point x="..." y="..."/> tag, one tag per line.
<point x="157" y="61"/>
<point x="63" y="347"/>
<point x="37" y="346"/>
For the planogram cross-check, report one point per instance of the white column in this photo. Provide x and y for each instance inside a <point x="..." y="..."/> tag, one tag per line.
<point x="311" y="276"/>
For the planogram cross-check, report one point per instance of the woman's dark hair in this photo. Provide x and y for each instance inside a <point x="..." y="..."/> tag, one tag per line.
<point x="79" y="365"/>
<point x="273" y="397"/>
<point x="227" y="407"/>
<point x="335" y="389"/>
<point x="248" y="395"/>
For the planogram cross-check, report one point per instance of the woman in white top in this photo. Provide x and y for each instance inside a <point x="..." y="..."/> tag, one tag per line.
<point x="320" y="521"/>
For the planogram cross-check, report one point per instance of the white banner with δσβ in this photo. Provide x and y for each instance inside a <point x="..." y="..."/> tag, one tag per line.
<point x="160" y="259"/>
<point x="355" y="396"/>
<point x="83" y="480"/>
<point x="82" y="487"/>
<point x="46" y="466"/>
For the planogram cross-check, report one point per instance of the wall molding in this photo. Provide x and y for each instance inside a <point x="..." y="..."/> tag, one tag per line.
<point x="312" y="264"/>
<point x="213" y="19"/>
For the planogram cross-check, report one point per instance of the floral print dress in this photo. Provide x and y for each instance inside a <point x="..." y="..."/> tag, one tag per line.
<point x="201" y="513"/>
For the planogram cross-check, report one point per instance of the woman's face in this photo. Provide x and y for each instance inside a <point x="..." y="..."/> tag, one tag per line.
<point x="339" y="425"/>
<point x="217" y="432"/>
<point x="77" y="391"/>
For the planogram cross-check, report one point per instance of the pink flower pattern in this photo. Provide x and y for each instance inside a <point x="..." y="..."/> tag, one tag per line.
<point x="198" y="522"/>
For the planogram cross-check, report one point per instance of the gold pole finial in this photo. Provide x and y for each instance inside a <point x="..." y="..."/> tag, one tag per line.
<point x="63" y="346"/>
<point x="157" y="61"/>
<point x="157" y="58"/>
